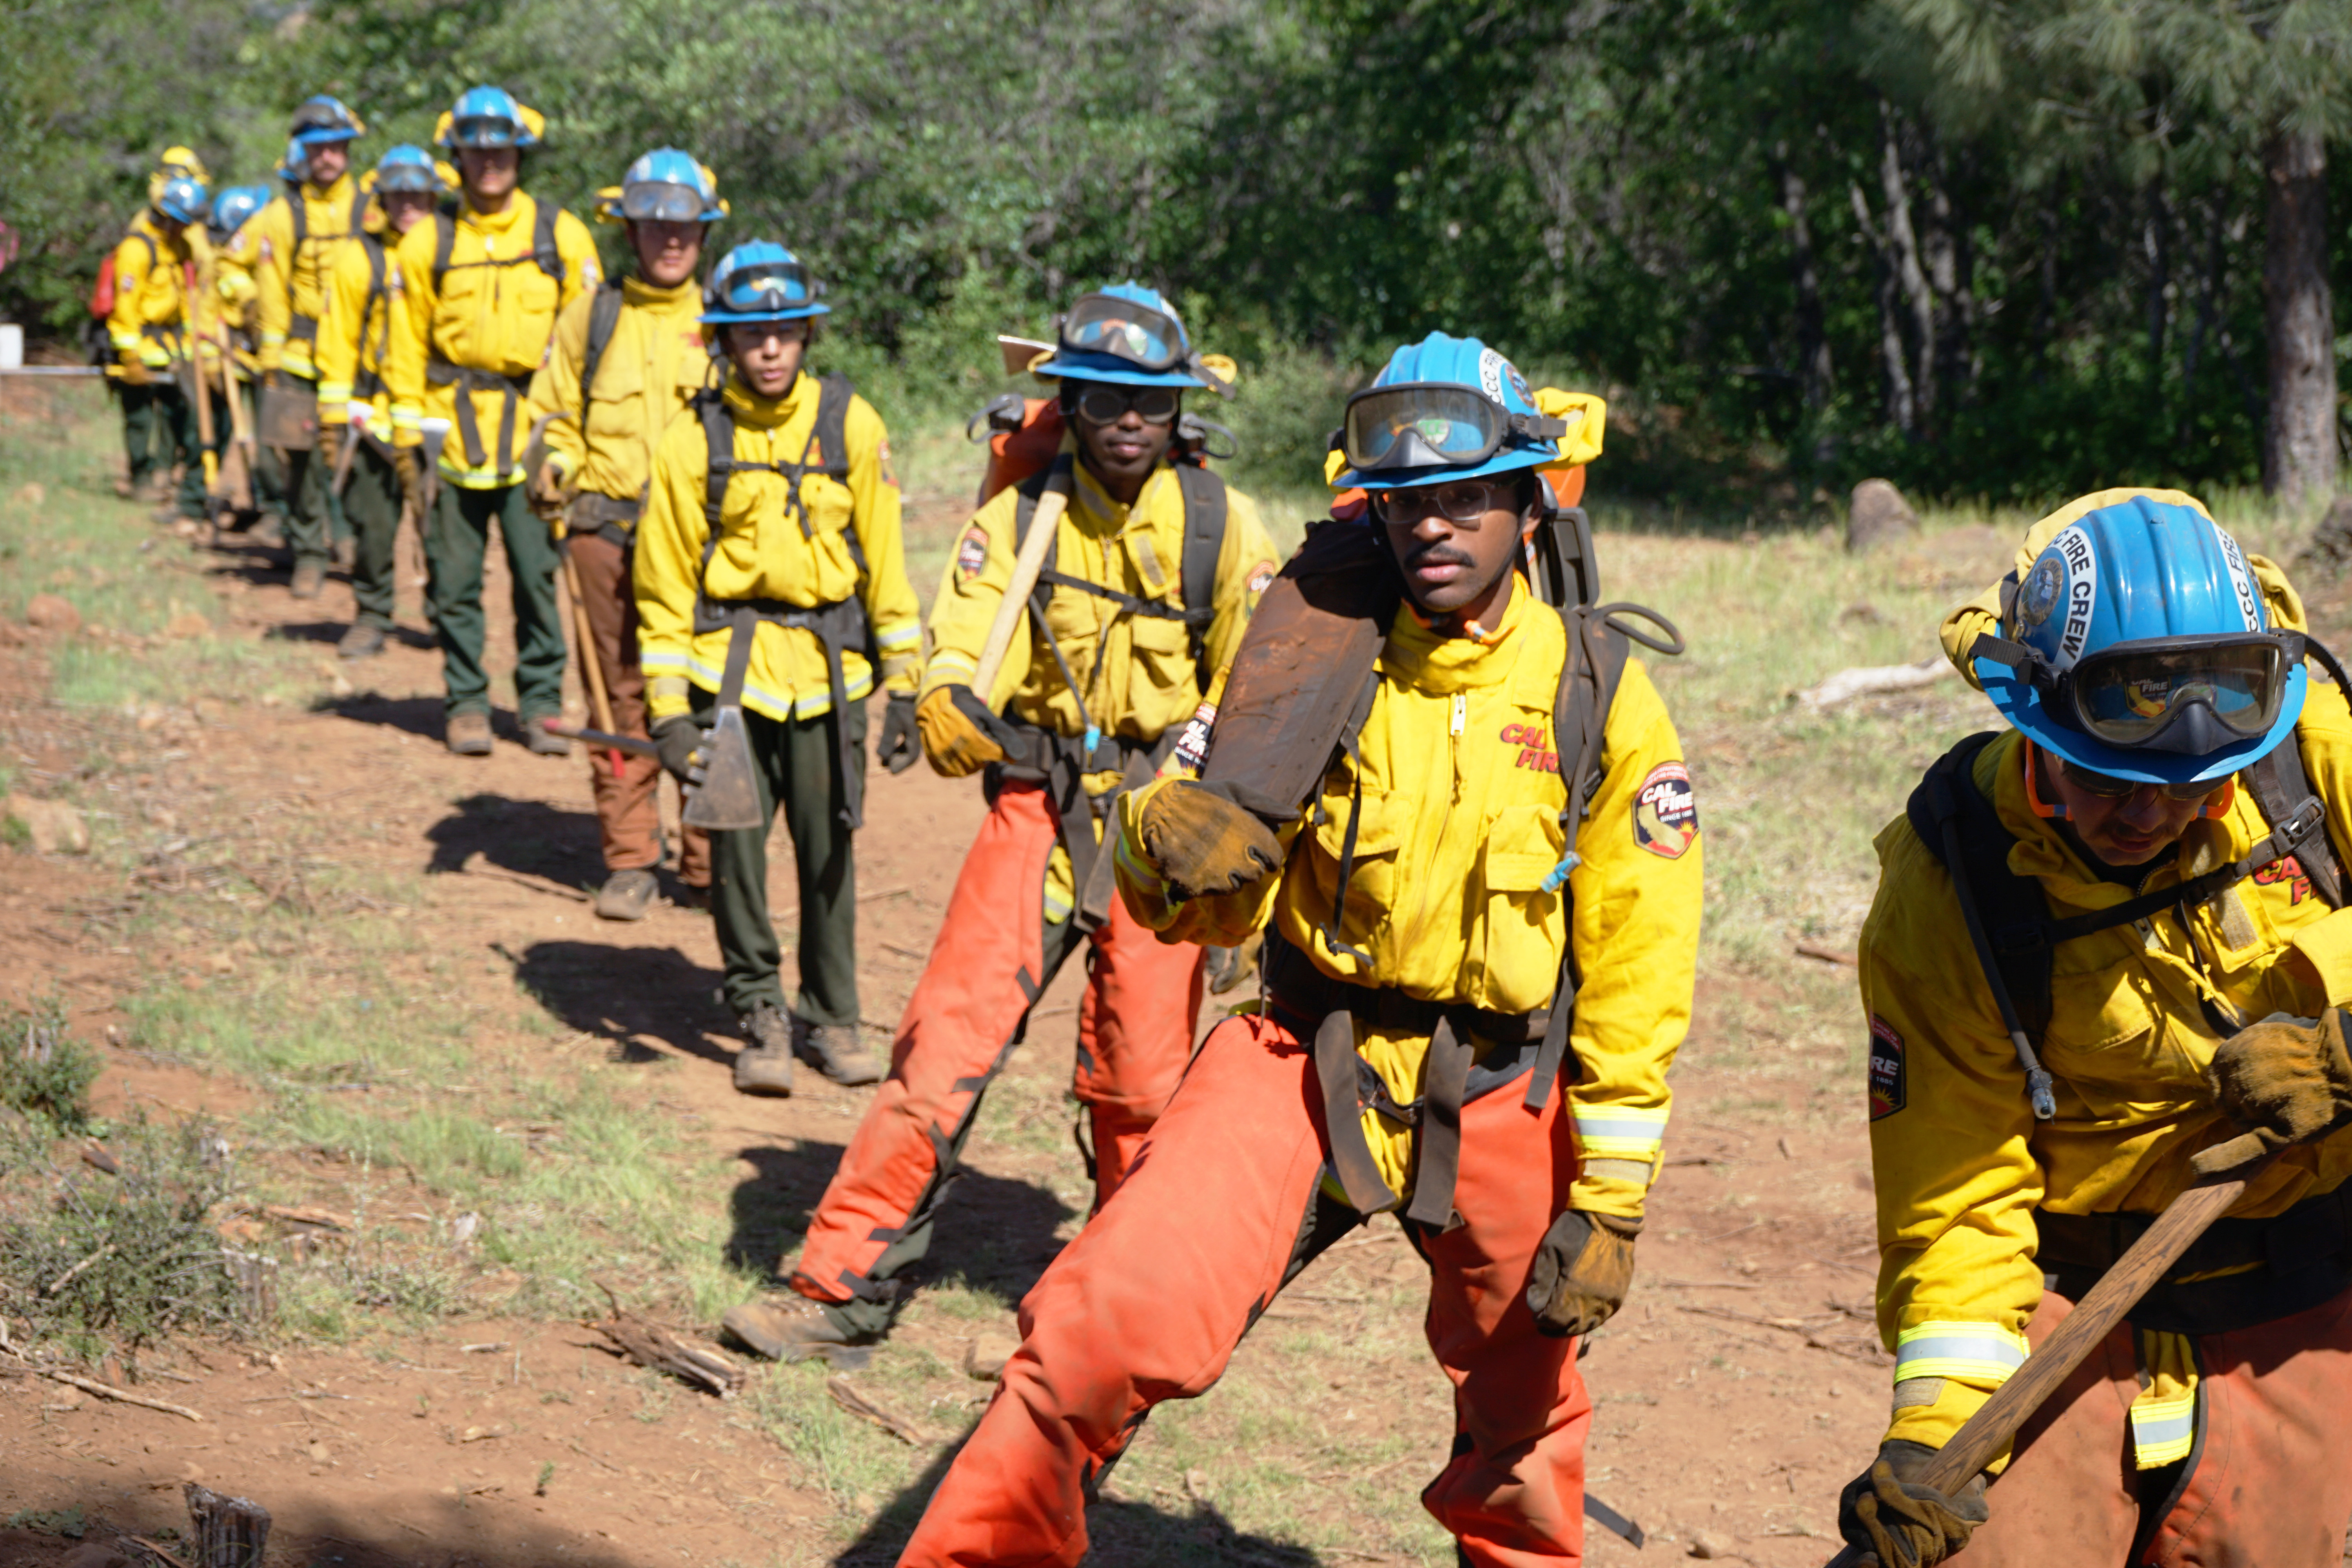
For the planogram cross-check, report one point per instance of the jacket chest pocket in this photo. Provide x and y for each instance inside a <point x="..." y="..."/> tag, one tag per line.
<point x="2114" y="1049"/>
<point x="1372" y="878"/>
<point x="1522" y="930"/>
<point x="1163" y="652"/>
<point x="534" y="294"/>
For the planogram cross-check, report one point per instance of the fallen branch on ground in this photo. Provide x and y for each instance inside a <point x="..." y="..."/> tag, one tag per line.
<point x="847" y="1396"/>
<point x="649" y="1344"/>
<point x="1873" y="680"/>
<point x="1828" y="954"/>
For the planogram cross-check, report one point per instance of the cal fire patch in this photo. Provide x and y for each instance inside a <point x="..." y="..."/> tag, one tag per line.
<point x="1261" y="577"/>
<point x="1666" y="812"/>
<point x="971" y="553"/>
<point x="890" y="475"/>
<point x="1888" y="1085"/>
<point x="1193" y="744"/>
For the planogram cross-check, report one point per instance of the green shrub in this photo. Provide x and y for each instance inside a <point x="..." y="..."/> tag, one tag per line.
<point x="45" y="1073"/>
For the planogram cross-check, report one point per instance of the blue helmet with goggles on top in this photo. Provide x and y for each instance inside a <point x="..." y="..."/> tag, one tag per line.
<point x="322" y="120"/>
<point x="1128" y="335"/>
<point x="760" y="280"/>
<point x="487" y="117"/>
<point x="1443" y="408"/>
<point x="665" y="185"/>
<point x="409" y="167"/>
<point x="183" y="200"/>
<point x="234" y="205"/>
<point x="2137" y="645"/>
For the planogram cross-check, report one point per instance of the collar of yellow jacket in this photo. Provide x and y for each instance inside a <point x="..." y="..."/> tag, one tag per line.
<point x="766" y="412"/>
<point x="1433" y="660"/>
<point x="337" y="193"/>
<point x="639" y="294"/>
<point x="520" y="211"/>
<point x="2042" y="851"/>
<point x="1095" y="510"/>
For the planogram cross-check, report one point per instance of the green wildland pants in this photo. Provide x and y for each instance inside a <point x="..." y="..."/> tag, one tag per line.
<point x="372" y="500"/>
<point x="457" y="539"/>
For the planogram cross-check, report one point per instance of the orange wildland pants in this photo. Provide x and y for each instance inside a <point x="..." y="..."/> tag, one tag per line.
<point x="2268" y="1484"/>
<point x="628" y="812"/>
<point x="994" y="956"/>
<point x="1221" y="1209"/>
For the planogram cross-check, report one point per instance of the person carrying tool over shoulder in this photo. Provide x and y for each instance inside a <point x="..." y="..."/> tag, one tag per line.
<point x="626" y="360"/>
<point x="1156" y="566"/>
<point x="295" y="242"/>
<point x="362" y="301"/>
<point x="1449" y="805"/>
<point x="772" y="598"/>
<point x="2151" y="859"/>
<point x="147" y="326"/>
<point x="482" y="285"/>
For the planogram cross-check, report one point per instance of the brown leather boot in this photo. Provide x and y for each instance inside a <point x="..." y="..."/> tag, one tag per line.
<point x="834" y="1050"/>
<point x="764" y="1065"/>
<point x="468" y="734"/>
<point x="788" y="1327"/>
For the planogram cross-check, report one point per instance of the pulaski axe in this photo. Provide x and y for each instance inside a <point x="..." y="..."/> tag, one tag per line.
<point x="726" y="796"/>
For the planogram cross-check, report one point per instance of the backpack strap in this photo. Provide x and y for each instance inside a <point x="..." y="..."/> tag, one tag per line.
<point x="445" y="244"/>
<point x="831" y="431"/>
<point x="1206" y="514"/>
<point x="542" y="239"/>
<point x="2279" y="786"/>
<point x="368" y="382"/>
<point x="299" y="209"/>
<point x="604" y="320"/>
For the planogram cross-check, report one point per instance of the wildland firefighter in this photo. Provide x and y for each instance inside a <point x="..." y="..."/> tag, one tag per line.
<point x="1155" y="565"/>
<point x="627" y="360"/>
<point x="231" y="298"/>
<point x="771" y="599"/>
<point x="148" y="295"/>
<point x="482" y="284"/>
<point x="363" y="301"/>
<point x="1460" y="814"/>
<point x="291" y="248"/>
<point x="2150" y="858"/>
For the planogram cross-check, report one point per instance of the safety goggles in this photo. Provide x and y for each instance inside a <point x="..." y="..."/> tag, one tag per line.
<point x="1464" y="501"/>
<point x="2129" y="695"/>
<point x="1109" y="405"/>
<point x="767" y="286"/>
<point x="1432" y="424"/>
<point x="1143" y="337"/>
<point x="317" y="122"/>
<point x="411" y="178"/>
<point x="663" y="202"/>
<point x="485" y="131"/>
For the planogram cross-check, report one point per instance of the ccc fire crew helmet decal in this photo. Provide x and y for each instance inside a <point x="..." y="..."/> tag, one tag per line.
<point x="184" y="201"/>
<point x="488" y="117"/>
<point x="234" y="205"/>
<point x="1443" y="408"/>
<point x="665" y="185"/>
<point x="1130" y="335"/>
<point x="322" y="120"/>
<point x="760" y="280"/>
<point x="2137" y="647"/>
<point x="409" y="167"/>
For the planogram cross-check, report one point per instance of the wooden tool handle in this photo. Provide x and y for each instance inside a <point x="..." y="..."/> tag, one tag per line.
<point x="2106" y="1304"/>
<point x="1034" y="547"/>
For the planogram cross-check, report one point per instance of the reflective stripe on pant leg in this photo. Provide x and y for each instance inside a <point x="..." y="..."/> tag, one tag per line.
<point x="1146" y="1305"/>
<point x="1513" y="1494"/>
<point x="981" y="980"/>
<point x="2269" y="1485"/>
<point x="1136" y="1025"/>
<point x="628" y="815"/>
<point x="2070" y="1478"/>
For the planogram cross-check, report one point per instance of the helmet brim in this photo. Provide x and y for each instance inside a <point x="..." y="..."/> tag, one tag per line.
<point x="2018" y="703"/>
<point x="1112" y="369"/>
<point x="740" y="317"/>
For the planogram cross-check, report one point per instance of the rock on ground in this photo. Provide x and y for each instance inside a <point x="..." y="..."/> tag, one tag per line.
<point x="1879" y="515"/>
<point x="51" y="613"/>
<point x="55" y="828"/>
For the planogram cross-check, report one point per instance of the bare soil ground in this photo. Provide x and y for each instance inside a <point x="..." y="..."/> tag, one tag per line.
<point x="1739" y="1388"/>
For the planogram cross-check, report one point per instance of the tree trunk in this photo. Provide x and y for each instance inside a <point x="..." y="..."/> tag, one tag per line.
<point x="2299" y="459"/>
<point x="1903" y="246"/>
<point x="2159" y="244"/>
<point x="1813" y="368"/>
<point x="1902" y="404"/>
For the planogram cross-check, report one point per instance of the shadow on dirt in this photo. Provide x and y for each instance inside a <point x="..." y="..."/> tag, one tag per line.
<point x="618" y="994"/>
<point x="416" y="715"/>
<point x="322" y="1537"/>
<point x="1120" y="1531"/>
<point x="528" y="836"/>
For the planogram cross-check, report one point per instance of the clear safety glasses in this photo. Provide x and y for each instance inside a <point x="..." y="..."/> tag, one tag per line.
<point x="1432" y="424"/>
<point x="2130" y="694"/>
<point x="2106" y="786"/>
<point x="1109" y="405"/>
<point x="1464" y="501"/>
<point x="663" y="202"/>
<point x="485" y="131"/>
<point x="766" y="286"/>
<point x="1143" y="337"/>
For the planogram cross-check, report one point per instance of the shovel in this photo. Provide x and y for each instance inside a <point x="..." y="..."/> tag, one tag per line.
<point x="2223" y="1172"/>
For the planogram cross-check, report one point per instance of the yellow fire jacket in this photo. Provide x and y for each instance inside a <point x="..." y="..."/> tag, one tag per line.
<point x="1141" y="673"/>
<point x="487" y="321"/>
<point x="761" y="554"/>
<point x="149" y="294"/>
<point x="654" y="364"/>
<point x="363" y="299"/>
<point x="291" y="279"/>
<point x="1460" y="826"/>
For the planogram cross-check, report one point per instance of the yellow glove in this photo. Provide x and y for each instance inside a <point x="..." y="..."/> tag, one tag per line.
<point x="134" y="373"/>
<point x="1202" y="844"/>
<point x="955" y="728"/>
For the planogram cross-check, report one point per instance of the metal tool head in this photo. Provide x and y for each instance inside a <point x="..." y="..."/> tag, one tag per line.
<point x="728" y="800"/>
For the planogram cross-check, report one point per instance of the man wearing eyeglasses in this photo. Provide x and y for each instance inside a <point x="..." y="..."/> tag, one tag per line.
<point x="1465" y="829"/>
<point x="626" y="360"/>
<point x="1155" y="569"/>
<point x="2150" y="860"/>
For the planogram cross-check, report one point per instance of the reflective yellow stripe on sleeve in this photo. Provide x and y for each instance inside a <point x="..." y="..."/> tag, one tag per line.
<point x="2163" y="1428"/>
<point x="958" y="668"/>
<point x="1986" y="1352"/>
<point x="1621" y="1132"/>
<point x="334" y="392"/>
<point x="900" y="636"/>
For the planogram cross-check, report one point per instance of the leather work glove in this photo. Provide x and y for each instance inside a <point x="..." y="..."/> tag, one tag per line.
<point x="404" y="470"/>
<point x="1903" y="1523"/>
<point x="680" y="738"/>
<point x="1229" y="967"/>
<point x="1582" y="1268"/>
<point x="960" y="735"/>
<point x="2286" y="1080"/>
<point x="331" y="443"/>
<point x="544" y="490"/>
<point x="896" y="751"/>
<point x="134" y="373"/>
<point x="1202" y="844"/>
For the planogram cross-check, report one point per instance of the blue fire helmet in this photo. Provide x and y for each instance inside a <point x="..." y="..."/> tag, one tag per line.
<point x="323" y="118"/>
<point x="1128" y="334"/>
<point x="408" y="167"/>
<point x="665" y="186"/>
<point x="1443" y="408"/>
<point x="488" y="117"/>
<point x="294" y="166"/>
<point x="760" y="280"/>
<point x="2137" y="647"/>
<point x="184" y="201"/>
<point x="234" y="205"/>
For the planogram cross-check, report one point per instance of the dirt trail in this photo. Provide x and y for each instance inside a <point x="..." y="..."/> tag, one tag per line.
<point x="1737" y="1391"/>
